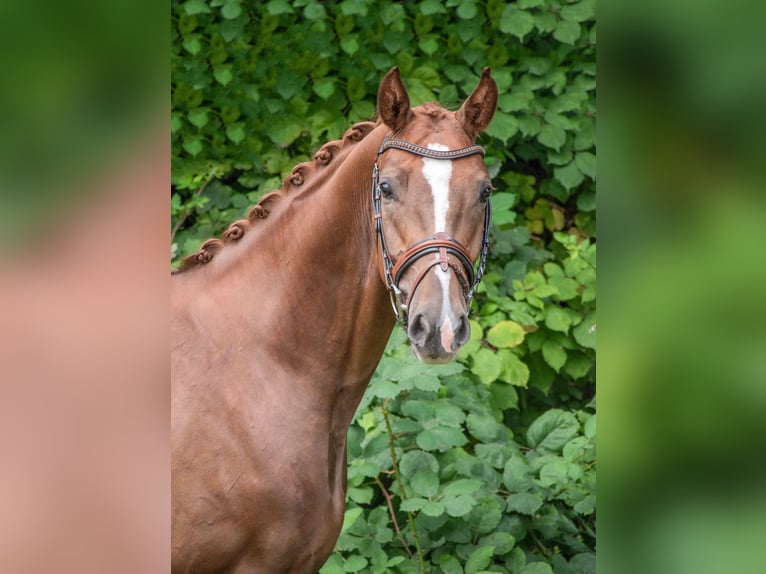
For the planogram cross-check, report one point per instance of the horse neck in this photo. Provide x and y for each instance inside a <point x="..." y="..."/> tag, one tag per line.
<point x="316" y="290"/>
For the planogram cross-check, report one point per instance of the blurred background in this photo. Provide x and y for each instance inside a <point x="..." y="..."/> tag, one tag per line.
<point x="682" y="221"/>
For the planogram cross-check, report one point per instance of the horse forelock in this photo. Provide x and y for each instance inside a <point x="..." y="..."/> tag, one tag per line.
<point x="300" y="180"/>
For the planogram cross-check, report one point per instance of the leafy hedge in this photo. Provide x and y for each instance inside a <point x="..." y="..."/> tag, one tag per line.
<point x="486" y="464"/>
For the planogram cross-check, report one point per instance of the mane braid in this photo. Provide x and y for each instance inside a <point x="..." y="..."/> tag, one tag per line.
<point x="301" y="174"/>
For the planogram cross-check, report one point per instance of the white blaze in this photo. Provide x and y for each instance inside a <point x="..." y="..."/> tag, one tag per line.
<point x="438" y="172"/>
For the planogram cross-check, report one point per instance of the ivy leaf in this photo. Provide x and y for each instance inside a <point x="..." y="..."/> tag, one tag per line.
<point x="524" y="503"/>
<point x="354" y="563"/>
<point x="579" y="12"/>
<point x="433" y="509"/>
<point x="503" y="127"/>
<point x="554" y="354"/>
<point x="413" y="504"/>
<point x="585" y="332"/>
<point x="569" y="176"/>
<point x="586" y="163"/>
<point x="516" y="22"/>
<point x="223" y="75"/>
<point x="440" y="439"/>
<point x="277" y="7"/>
<point x="486" y="366"/>
<point x="192" y="7"/>
<point x="558" y="319"/>
<point x="430" y="7"/>
<point x="479" y="559"/>
<point x="506" y="334"/>
<point x="536" y="568"/>
<point x="449" y="564"/>
<point x="552" y="430"/>
<point x="231" y="10"/>
<point x="350" y="45"/>
<point x="467" y="10"/>
<point x="236" y="133"/>
<point x="424" y="483"/>
<point x="324" y="88"/>
<point x="567" y="32"/>
<point x="459" y="505"/>
<point x="552" y="136"/>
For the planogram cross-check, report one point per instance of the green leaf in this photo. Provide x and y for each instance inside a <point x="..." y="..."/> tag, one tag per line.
<point x="552" y="430"/>
<point x="429" y="45"/>
<point x="424" y="483"/>
<point x="449" y="564"/>
<point x="502" y="541"/>
<point x="585" y="332"/>
<point x="459" y="505"/>
<point x="552" y="136"/>
<point x="354" y="563"/>
<point x="315" y="11"/>
<point x="487" y="366"/>
<point x="350" y="45"/>
<point x="430" y="7"/>
<point x="236" y="133"/>
<point x="231" y="10"/>
<point x="192" y="45"/>
<point x="579" y="12"/>
<point x="554" y="354"/>
<point x="324" y="88"/>
<point x="223" y="75"/>
<point x="515" y="372"/>
<point x="385" y="389"/>
<point x="198" y="118"/>
<point x="350" y="517"/>
<point x="536" y="568"/>
<point x="558" y="319"/>
<point x="506" y="334"/>
<point x="567" y="32"/>
<point x="516" y="22"/>
<point x="485" y="427"/>
<point x="415" y="460"/>
<point x="586" y="163"/>
<point x="479" y="559"/>
<point x="524" y="503"/>
<point x="467" y="10"/>
<point x="569" y="176"/>
<point x="192" y="7"/>
<point x="462" y="486"/>
<point x="440" y="439"/>
<point x="433" y="509"/>
<point x="413" y="504"/>
<point x="277" y="7"/>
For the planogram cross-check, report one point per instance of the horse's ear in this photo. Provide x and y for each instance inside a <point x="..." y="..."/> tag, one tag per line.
<point x="393" y="101"/>
<point x="477" y="111"/>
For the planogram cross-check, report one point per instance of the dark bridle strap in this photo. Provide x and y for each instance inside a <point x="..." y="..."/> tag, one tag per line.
<point x="432" y="153"/>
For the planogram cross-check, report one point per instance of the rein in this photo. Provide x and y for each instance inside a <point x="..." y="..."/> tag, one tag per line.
<point x="440" y="243"/>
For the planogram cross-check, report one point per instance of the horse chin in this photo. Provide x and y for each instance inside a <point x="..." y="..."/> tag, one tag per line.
<point x="430" y="358"/>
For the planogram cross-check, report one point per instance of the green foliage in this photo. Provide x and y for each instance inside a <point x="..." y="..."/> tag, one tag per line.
<point x="485" y="464"/>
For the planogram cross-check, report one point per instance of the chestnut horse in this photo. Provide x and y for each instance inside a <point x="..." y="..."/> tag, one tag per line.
<point x="278" y="327"/>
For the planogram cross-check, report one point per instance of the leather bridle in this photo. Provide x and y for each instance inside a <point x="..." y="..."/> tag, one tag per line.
<point x="451" y="254"/>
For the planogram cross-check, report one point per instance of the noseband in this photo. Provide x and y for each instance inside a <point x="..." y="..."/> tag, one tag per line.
<point x="441" y="244"/>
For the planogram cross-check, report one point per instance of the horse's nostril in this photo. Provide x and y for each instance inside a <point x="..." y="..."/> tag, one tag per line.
<point x="418" y="330"/>
<point x="463" y="332"/>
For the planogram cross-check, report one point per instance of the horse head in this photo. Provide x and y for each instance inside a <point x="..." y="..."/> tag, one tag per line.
<point x="431" y="201"/>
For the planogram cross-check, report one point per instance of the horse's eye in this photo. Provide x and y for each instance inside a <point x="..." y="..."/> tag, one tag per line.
<point x="386" y="190"/>
<point x="485" y="193"/>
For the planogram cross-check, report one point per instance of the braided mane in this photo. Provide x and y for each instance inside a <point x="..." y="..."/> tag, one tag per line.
<point x="302" y="174"/>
